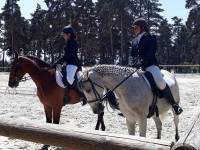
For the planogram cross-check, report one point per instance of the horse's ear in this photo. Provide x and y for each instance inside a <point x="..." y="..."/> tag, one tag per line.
<point x="16" y="54"/>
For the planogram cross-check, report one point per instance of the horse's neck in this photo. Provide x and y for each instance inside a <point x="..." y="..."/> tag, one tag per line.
<point x="111" y="81"/>
<point x="39" y="62"/>
<point x="32" y="69"/>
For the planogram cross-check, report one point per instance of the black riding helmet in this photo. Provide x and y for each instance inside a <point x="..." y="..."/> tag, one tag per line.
<point x="69" y="29"/>
<point x="142" y="24"/>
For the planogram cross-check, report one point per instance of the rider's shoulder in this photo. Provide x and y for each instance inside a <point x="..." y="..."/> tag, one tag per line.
<point x="149" y="36"/>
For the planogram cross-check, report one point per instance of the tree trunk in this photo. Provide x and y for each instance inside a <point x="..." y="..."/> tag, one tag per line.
<point x="122" y="39"/>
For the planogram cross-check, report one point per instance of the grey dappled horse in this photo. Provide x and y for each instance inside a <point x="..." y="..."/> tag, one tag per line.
<point x="134" y="95"/>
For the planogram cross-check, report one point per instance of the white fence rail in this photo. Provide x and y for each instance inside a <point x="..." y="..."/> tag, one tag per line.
<point x="176" y="68"/>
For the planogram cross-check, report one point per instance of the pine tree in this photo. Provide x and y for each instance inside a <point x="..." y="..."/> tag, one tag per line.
<point x="86" y="26"/>
<point x="38" y="33"/>
<point x="164" y="43"/>
<point x="15" y="27"/>
<point x="193" y="26"/>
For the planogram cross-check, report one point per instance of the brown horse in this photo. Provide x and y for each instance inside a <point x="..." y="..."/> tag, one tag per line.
<point x="49" y="93"/>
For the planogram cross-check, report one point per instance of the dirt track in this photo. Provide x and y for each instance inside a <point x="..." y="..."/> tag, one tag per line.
<point x="28" y="106"/>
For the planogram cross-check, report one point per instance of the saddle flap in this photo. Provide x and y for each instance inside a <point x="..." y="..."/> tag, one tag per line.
<point x="153" y="85"/>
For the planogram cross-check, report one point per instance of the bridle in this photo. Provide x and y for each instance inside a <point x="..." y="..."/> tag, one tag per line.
<point x="96" y="93"/>
<point x="23" y="79"/>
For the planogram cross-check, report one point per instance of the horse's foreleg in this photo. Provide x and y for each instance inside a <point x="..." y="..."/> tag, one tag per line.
<point x="103" y="127"/>
<point x="158" y="126"/>
<point x="56" y="115"/>
<point x="48" y="113"/>
<point x="176" y="122"/>
<point x="100" y="121"/>
<point x="143" y="127"/>
<point x="56" y="118"/>
<point x="131" y="126"/>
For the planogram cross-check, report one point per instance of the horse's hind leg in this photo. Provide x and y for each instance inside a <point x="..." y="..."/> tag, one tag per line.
<point x="131" y="126"/>
<point x="158" y="126"/>
<point x="143" y="127"/>
<point x="176" y="122"/>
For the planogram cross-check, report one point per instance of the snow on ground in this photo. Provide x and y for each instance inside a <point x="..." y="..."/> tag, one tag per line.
<point x="28" y="106"/>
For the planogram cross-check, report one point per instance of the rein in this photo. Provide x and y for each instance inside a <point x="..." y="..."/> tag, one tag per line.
<point x="25" y="79"/>
<point x="97" y="95"/>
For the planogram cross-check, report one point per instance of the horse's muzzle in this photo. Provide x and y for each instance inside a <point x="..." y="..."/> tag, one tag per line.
<point x="13" y="84"/>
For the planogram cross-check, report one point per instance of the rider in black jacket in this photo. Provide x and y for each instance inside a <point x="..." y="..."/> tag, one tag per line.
<point x="144" y="47"/>
<point x="70" y="57"/>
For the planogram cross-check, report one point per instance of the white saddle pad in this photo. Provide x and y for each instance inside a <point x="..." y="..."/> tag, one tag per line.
<point x="166" y="77"/>
<point x="59" y="79"/>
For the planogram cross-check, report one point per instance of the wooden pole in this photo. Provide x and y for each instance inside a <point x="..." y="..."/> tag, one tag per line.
<point x="191" y="139"/>
<point x="76" y="139"/>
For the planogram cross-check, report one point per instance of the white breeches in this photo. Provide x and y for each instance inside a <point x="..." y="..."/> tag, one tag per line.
<point x="155" y="71"/>
<point x="71" y="71"/>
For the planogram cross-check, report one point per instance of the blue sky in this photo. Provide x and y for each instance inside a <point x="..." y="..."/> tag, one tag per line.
<point x="172" y="8"/>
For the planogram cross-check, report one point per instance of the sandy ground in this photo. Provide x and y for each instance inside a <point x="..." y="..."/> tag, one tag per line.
<point x="28" y="106"/>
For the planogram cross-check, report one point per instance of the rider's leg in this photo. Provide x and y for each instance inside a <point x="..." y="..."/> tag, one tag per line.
<point x="155" y="71"/>
<point x="160" y="82"/>
<point x="71" y="71"/>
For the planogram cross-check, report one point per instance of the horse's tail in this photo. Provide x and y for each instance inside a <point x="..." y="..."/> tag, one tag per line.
<point x="111" y="99"/>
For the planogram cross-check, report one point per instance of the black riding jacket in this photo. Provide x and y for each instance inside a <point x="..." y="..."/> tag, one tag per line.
<point x="145" y="48"/>
<point x="70" y="56"/>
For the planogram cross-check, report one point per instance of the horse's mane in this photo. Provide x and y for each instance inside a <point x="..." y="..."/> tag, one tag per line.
<point x="112" y="69"/>
<point x="38" y="61"/>
<point x="36" y="66"/>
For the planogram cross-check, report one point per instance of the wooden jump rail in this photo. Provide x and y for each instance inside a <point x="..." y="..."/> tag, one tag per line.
<point x="76" y="139"/>
<point x="191" y="139"/>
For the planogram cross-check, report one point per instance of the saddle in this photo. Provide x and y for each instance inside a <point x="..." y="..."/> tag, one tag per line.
<point x="156" y="93"/>
<point x="61" y="80"/>
<point x="153" y="85"/>
<point x="61" y="75"/>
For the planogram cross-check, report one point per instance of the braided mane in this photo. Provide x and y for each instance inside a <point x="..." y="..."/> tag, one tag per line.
<point x="112" y="69"/>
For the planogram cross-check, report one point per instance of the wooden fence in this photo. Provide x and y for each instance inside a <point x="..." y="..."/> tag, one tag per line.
<point x="77" y="139"/>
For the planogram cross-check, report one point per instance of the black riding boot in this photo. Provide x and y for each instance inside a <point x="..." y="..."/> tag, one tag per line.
<point x="168" y="95"/>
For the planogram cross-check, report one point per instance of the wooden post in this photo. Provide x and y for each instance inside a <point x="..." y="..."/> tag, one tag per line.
<point x="76" y="139"/>
<point x="191" y="139"/>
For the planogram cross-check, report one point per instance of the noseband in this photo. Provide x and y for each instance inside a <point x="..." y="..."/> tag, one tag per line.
<point x="23" y="79"/>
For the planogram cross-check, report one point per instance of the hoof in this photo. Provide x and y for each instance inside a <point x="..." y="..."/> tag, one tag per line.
<point x="177" y="137"/>
<point x="103" y="128"/>
<point x="45" y="147"/>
